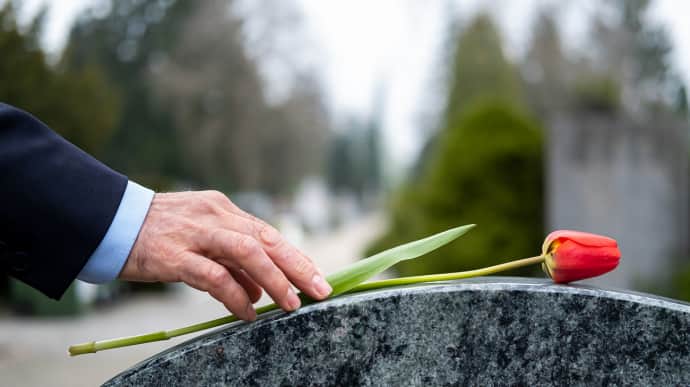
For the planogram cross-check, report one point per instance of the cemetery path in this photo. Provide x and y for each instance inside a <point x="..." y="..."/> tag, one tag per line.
<point x="33" y="352"/>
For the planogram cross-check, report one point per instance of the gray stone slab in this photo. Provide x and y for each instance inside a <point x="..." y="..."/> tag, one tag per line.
<point x="491" y="331"/>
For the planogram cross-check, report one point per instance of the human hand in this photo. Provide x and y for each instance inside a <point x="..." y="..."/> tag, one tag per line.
<point x="206" y="241"/>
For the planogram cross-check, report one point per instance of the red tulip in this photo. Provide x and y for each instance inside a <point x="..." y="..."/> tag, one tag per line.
<point x="574" y="255"/>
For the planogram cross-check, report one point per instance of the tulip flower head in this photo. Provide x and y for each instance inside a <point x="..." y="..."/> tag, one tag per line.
<point x="574" y="255"/>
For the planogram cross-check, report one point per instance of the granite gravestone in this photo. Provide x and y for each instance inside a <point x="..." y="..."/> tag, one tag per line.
<point x="491" y="331"/>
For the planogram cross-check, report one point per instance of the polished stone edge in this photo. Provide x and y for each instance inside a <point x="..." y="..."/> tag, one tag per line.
<point x="486" y="284"/>
<point x="495" y="283"/>
<point x="503" y="284"/>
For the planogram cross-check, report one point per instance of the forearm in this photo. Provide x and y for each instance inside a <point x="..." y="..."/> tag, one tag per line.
<point x="57" y="203"/>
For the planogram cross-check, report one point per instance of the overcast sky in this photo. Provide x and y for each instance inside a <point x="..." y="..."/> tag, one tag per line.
<point x="394" y="44"/>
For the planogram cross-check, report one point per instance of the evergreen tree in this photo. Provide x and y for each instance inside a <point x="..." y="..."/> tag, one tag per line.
<point x="480" y="69"/>
<point x="127" y="42"/>
<point x="681" y="102"/>
<point x="546" y="70"/>
<point x="484" y="166"/>
<point x="634" y="53"/>
<point x="78" y="104"/>
<point x="355" y="159"/>
<point x="487" y="170"/>
<point x="341" y="165"/>
<point x="194" y="106"/>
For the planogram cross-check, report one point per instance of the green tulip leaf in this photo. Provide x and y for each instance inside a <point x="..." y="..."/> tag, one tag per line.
<point x="362" y="270"/>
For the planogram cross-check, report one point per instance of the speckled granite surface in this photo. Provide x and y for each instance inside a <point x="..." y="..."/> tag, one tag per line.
<point x="494" y="331"/>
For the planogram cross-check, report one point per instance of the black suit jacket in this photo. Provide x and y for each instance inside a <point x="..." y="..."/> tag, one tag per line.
<point x="56" y="203"/>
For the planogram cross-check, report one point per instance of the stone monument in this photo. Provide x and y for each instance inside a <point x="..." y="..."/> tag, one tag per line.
<point x="627" y="178"/>
<point x="489" y="331"/>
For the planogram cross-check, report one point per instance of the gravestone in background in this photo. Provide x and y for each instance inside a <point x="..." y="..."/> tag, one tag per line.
<point x="494" y="331"/>
<point x="612" y="174"/>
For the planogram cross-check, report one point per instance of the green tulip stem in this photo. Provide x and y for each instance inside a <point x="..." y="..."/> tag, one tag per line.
<point x="448" y="276"/>
<point x="95" y="346"/>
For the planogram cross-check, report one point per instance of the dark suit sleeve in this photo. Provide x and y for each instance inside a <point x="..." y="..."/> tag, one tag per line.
<point x="56" y="203"/>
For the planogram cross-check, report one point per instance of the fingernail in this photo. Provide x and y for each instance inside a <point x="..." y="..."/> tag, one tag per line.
<point x="251" y="313"/>
<point x="292" y="300"/>
<point x="322" y="288"/>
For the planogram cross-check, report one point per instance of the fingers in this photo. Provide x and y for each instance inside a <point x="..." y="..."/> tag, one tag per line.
<point x="207" y="275"/>
<point x="239" y="250"/>
<point x="203" y="239"/>
<point x="252" y="288"/>
<point x="298" y="268"/>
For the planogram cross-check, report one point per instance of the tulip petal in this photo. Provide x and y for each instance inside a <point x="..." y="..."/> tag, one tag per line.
<point x="582" y="238"/>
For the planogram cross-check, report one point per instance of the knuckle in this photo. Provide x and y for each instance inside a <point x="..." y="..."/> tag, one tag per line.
<point x="215" y="195"/>
<point x="239" y="298"/>
<point x="255" y="218"/>
<point x="211" y="201"/>
<point x="187" y="228"/>
<point x="246" y="246"/>
<point x="180" y="265"/>
<point x="266" y="266"/>
<point x="230" y="203"/>
<point x="302" y="267"/>
<point x="217" y="238"/>
<point x="216" y="276"/>
<point x="269" y="235"/>
<point x="205" y="206"/>
<point x="236" y="306"/>
<point x="235" y="300"/>
<point x="221" y="199"/>
<point x="258" y="222"/>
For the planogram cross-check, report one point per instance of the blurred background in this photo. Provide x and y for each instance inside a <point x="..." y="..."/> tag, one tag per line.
<point x="355" y="126"/>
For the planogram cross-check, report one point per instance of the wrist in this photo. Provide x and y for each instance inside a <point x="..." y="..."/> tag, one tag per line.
<point x="109" y="258"/>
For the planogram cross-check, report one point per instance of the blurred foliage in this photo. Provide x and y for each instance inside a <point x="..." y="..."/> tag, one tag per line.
<point x="676" y="284"/>
<point x="194" y="107"/>
<point x="78" y="104"/>
<point x="680" y="282"/>
<point x="480" y="69"/>
<point x="596" y="94"/>
<point x="121" y="42"/>
<point x="488" y="170"/>
<point x="355" y="159"/>
<point x="556" y="83"/>
<point x="681" y="103"/>
<point x="635" y="51"/>
<point x="626" y="67"/>
<point x="484" y="166"/>
<point x="546" y="71"/>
